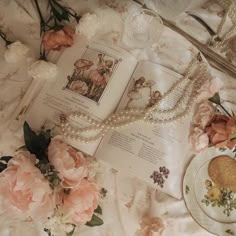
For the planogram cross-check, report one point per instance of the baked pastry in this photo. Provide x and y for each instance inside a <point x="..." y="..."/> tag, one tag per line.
<point x="222" y="171"/>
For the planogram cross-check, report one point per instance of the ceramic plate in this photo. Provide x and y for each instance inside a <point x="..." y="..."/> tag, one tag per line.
<point x="213" y="207"/>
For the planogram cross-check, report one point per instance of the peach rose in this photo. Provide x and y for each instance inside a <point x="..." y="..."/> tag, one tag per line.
<point x="204" y="113"/>
<point x="70" y="164"/>
<point x="231" y="127"/>
<point x="24" y="190"/>
<point x="221" y="130"/>
<point x="55" y="40"/>
<point x="199" y="140"/>
<point x="78" y="206"/>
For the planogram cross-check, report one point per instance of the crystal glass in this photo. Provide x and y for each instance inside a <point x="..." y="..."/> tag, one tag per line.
<point x="170" y="9"/>
<point x="142" y="28"/>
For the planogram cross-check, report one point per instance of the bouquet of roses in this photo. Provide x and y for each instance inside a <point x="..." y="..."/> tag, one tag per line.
<point x="213" y="125"/>
<point x="49" y="181"/>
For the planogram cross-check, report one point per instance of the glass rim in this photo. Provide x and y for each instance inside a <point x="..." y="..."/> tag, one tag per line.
<point x="149" y="12"/>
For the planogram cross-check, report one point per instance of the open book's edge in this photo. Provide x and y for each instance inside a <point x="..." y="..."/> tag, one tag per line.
<point x="166" y="69"/>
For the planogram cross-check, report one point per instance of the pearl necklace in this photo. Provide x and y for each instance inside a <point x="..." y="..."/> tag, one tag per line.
<point x="230" y="10"/>
<point x="195" y="76"/>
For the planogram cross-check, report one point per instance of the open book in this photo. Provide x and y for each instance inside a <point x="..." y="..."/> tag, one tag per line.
<point x="100" y="79"/>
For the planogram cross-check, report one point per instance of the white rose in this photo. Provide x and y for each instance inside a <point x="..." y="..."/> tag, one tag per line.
<point x="43" y="70"/>
<point x="15" y="52"/>
<point x="88" y="26"/>
<point x="100" y="22"/>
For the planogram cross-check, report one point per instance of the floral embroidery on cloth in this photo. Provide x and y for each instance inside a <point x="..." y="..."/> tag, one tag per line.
<point x="151" y="226"/>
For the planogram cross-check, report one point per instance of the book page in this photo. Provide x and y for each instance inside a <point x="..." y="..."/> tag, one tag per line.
<point x="91" y="79"/>
<point x="152" y="153"/>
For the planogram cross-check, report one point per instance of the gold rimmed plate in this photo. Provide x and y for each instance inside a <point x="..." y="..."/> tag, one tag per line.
<point x="212" y="205"/>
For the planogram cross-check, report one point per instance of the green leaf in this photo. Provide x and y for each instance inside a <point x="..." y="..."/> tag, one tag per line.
<point x="98" y="210"/>
<point x="222" y="149"/>
<point x="187" y="189"/>
<point x="229" y="231"/>
<point x="36" y="144"/>
<point x="23" y="147"/>
<point x="59" y="11"/>
<point x="6" y="158"/>
<point x="2" y="166"/>
<point x="95" y="221"/>
<point x="71" y="232"/>
<point x="29" y="137"/>
<point x="215" y="99"/>
<point x="67" y="191"/>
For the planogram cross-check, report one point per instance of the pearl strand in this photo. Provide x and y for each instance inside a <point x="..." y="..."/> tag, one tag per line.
<point x="216" y="41"/>
<point x="123" y="114"/>
<point x="134" y="115"/>
<point x="193" y="96"/>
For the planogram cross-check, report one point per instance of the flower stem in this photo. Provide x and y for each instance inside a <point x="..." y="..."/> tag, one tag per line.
<point x="4" y="37"/>
<point x="42" y="22"/>
<point x="42" y="53"/>
<point x="65" y="9"/>
<point x="56" y="25"/>
<point x="77" y="18"/>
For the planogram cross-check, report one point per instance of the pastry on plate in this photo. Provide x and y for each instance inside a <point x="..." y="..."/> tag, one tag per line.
<point x="222" y="171"/>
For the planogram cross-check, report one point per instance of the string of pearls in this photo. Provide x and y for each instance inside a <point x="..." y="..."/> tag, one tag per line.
<point x="195" y="75"/>
<point x="230" y="11"/>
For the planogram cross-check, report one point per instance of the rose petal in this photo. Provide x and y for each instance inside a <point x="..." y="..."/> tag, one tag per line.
<point x="219" y="128"/>
<point x="218" y="138"/>
<point x="231" y="126"/>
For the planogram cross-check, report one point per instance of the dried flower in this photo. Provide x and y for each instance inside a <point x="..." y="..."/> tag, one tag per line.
<point x="55" y="35"/>
<point x="57" y="39"/>
<point x="221" y="130"/>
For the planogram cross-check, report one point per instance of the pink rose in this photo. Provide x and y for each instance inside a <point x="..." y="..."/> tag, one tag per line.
<point x="81" y="202"/>
<point x="203" y="114"/>
<point x="24" y="190"/>
<point x="209" y="88"/>
<point x="199" y="140"/>
<point x="70" y="164"/>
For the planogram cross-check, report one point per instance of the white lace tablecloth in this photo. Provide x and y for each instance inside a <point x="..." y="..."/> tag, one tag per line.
<point x="128" y="199"/>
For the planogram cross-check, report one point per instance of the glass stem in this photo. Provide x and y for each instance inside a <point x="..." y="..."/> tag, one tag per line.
<point x="225" y="111"/>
